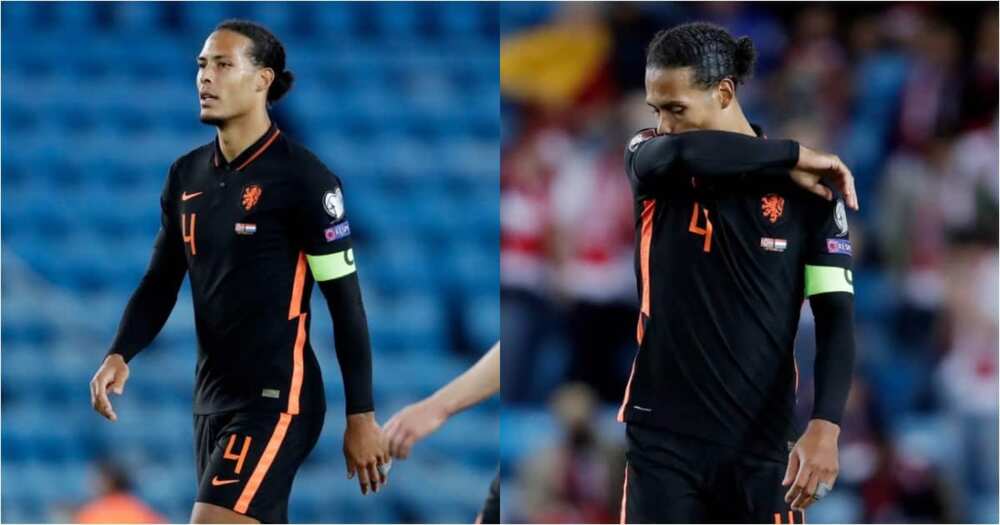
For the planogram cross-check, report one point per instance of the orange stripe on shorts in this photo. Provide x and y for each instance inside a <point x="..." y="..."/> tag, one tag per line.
<point x="270" y="452"/>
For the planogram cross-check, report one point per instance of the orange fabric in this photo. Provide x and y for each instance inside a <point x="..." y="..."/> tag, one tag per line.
<point x="628" y="390"/>
<point x="117" y="508"/>
<point x="261" y="150"/>
<point x="777" y="518"/>
<point x="791" y="516"/>
<point x="237" y="457"/>
<point x="189" y="238"/>
<point x="297" y="367"/>
<point x="706" y="231"/>
<point x="266" y="459"/>
<point x="648" y="210"/>
<point x="624" y="495"/>
<point x="300" y="277"/>
<point x="646" y="239"/>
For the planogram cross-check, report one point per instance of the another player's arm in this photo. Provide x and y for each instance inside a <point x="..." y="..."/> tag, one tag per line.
<point x="331" y="259"/>
<point x="147" y="310"/>
<point x="654" y="159"/>
<point x="424" y="417"/>
<point x="829" y="287"/>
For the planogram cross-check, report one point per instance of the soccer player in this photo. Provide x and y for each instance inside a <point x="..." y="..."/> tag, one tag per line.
<point x="416" y="421"/>
<point x="254" y="218"/>
<point x="734" y="231"/>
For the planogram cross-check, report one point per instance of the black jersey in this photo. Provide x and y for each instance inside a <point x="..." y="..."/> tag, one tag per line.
<point x="243" y="230"/>
<point x="724" y="239"/>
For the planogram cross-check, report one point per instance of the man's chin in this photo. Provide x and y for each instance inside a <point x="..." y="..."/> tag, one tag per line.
<point x="210" y="119"/>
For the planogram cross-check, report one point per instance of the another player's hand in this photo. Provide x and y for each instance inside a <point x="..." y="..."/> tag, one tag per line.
<point x="412" y="424"/>
<point x="110" y="376"/>
<point x="364" y="451"/>
<point x="814" y="166"/>
<point x="812" y="461"/>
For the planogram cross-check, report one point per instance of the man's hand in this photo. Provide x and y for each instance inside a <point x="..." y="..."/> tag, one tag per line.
<point x="110" y="376"/>
<point x="412" y="424"/>
<point x="815" y="165"/>
<point x="812" y="461"/>
<point x="365" y="452"/>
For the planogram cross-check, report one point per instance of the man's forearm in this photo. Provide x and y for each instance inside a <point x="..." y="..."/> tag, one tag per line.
<point x="712" y="153"/>
<point x="351" y="340"/>
<point x="835" y="349"/>
<point x="474" y="385"/>
<point x="150" y="305"/>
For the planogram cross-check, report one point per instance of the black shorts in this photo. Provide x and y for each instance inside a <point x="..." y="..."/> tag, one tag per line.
<point x="671" y="478"/>
<point x="491" y="507"/>
<point x="246" y="460"/>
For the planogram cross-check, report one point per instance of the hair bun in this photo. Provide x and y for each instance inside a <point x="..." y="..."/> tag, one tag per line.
<point x="282" y="83"/>
<point x="744" y="58"/>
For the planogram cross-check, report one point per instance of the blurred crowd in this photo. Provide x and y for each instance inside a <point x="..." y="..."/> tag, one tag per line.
<point x="906" y="94"/>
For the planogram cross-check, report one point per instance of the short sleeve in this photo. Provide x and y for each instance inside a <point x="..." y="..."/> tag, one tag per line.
<point x="322" y="214"/>
<point x="828" y="254"/>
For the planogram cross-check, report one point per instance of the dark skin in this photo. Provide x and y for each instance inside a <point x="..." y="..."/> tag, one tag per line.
<point x="232" y="94"/>
<point x="680" y="106"/>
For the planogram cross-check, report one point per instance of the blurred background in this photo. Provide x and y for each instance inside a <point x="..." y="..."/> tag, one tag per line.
<point x="400" y="100"/>
<point x="906" y="94"/>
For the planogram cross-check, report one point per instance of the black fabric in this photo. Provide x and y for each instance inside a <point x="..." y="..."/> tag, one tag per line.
<point x="217" y="462"/>
<point x="350" y="330"/>
<point x="673" y="478"/>
<point x="242" y="230"/>
<point x="834" y="313"/>
<point x="150" y="305"/>
<point x="664" y="160"/>
<point x="491" y="507"/>
<point x="717" y="337"/>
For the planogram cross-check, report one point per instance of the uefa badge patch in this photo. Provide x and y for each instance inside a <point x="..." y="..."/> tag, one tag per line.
<point x="838" y="246"/>
<point x="840" y="218"/>
<point x="337" y="231"/>
<point x="333" y="203"/>
<point x="640" y="137"/>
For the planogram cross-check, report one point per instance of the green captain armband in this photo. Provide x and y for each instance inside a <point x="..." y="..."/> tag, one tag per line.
<point x="825" y="279"/>
<point x="332" y="266"/>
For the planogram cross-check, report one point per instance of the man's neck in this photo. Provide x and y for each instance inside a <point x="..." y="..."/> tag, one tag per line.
<point x="236" y="135"/>
<point x="736" y="122"/>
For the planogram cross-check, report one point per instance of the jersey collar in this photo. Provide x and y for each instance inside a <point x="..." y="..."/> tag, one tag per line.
<point x="248" y="155"/>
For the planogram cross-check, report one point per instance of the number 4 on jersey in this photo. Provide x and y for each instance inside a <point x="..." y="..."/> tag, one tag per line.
<point x="697" y="230"/>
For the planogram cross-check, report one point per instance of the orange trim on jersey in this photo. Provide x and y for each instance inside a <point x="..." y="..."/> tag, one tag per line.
<point x="297" y="366"/>
<point x="261" y="150"/>
<point x="628" y="389"/>
<point x="648" y="210"/>
<point x="645" y="241"/>
<point x="624" y="495"/>
<point x="266" y="459"/>
<point x="777" y="518"/>
<point x="295" y="308"/>
<point x="791" y="516"/>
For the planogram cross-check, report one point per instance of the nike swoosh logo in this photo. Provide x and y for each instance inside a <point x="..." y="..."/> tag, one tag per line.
<point x="188" y="196"/>
<point x="216" y="481"/>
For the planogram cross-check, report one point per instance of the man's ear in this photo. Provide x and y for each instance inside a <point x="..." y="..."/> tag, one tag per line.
<point x="725" y="93"/>
<point x="265" y="77"/>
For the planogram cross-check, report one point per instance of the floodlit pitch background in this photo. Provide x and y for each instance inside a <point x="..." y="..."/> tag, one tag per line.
<point x="906" y="95"/>
<point x="401" y="101"/>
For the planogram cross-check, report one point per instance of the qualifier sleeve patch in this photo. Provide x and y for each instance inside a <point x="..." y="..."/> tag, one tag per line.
<point x="825" y="279"/>
<point x="332" y="266"/>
